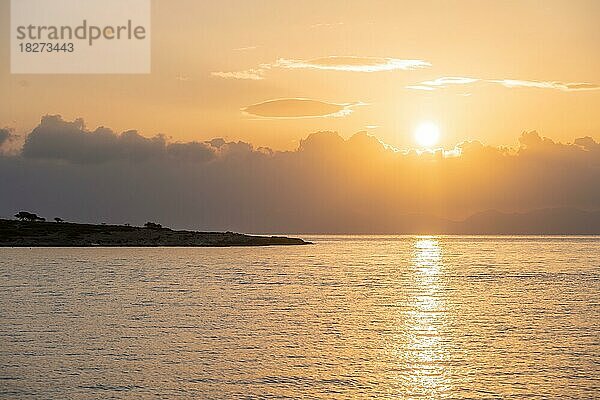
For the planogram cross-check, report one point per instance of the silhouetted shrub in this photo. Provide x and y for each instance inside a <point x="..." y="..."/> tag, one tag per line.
<point x="152" y="225"/>
<point x="27" y="216"/>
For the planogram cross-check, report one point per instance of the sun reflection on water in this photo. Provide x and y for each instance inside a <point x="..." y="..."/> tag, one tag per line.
<point x="425" y="321"/>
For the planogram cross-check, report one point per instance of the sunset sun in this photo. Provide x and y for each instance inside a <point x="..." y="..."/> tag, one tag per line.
<point x="427" y="134"/>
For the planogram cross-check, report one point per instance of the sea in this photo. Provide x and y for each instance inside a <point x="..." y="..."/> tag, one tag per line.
<point x="348" y="317"/>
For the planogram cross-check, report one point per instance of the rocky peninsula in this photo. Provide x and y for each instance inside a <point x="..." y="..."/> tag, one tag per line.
<point x="64" y="234"/>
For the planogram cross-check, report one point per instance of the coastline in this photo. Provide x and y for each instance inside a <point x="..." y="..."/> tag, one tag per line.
<point x="65" y="234"/>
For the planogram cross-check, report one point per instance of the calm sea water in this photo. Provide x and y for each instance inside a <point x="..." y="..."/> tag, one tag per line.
<point x="349" y="317"/>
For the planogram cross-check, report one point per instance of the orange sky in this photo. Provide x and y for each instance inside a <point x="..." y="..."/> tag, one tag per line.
<point x="380" y="66"/>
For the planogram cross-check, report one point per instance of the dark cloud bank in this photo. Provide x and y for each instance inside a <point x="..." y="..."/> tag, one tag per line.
<point x="327" y="185"/>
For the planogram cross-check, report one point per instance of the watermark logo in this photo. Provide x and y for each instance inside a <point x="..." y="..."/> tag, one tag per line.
<point x="80" y="36"/>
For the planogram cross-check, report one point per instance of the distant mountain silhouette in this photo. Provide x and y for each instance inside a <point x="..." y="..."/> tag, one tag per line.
<point x="550" y="221"/>
<point x="547" y="221"/>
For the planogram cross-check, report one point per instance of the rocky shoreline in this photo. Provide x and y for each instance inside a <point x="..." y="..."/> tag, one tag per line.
<point x="61" y="234"/>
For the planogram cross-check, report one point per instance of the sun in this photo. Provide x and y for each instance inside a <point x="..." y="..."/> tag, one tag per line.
<point x="427" y="134"/>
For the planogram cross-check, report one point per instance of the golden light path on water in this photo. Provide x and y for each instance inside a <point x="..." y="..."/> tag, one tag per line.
<point x="424" y="317"/>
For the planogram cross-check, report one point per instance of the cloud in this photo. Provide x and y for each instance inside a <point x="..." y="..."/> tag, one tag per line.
<point x="326" y="24"/>
<point x="447" y="81"/>
<point x="298" y="108"/>
<point x="245" y="48"/>
<point x="254" y="74"/>
<point x="57" y="139"/>
<point x="182" y="78"/>
<point x="588" y="144"/>
<point x="581" y="86"/>
<point x="5" y="135"/>
<point x="566" y="87"/>
<point x="9" y="142"/>
<point x="421" y="87"/>
<point x="328" y="184"/>
<point x="331" y="63"/>
<point x="450" y="80"/>
<point x="196" y="152"/>
<point x="353" y="64"/>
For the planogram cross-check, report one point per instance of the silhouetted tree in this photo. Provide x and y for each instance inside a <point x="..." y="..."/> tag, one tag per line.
<point x="59" y="220"/>
<point x="27" y="216"/>
<point x="152" y="225"/>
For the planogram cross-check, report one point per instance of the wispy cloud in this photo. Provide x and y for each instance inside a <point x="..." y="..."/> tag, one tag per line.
<point x="331" y="63"/>
<point x="566" y="87"/>
<point x="447" y="81"/>
<point x="298" y="108"/>
<point x="326" y="24"/>
<point x="255" y="74"/>
<point x="182" y="78"/>
<point x="450" y="80"/>
<point x="582" y="86"/>
<point x="420" y="87"/>
<point x="245" y="48"/>
<point x="353" y="64"/>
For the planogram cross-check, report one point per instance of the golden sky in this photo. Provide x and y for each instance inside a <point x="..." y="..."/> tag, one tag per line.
<point x="271" y="72"/>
